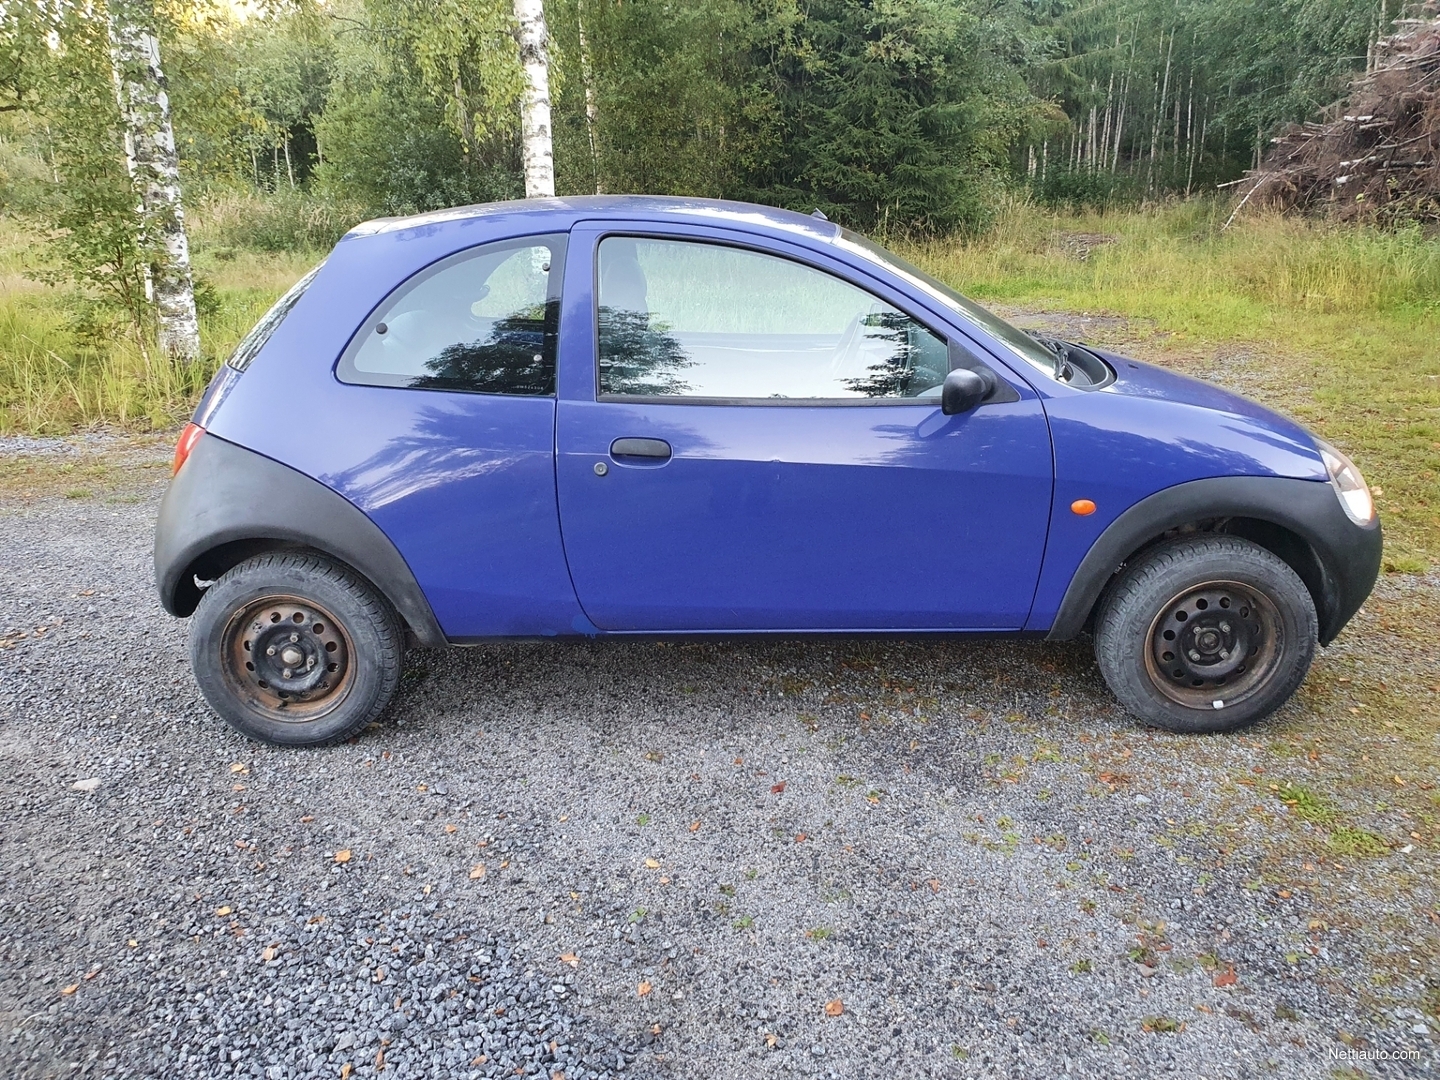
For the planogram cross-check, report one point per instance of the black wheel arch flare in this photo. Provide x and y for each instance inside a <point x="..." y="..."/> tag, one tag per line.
<point x="228" y="503"/>
<point x="1301" y="521"/>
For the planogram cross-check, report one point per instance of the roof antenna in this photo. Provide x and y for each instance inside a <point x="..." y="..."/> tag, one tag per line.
<point x="818" y="213"/>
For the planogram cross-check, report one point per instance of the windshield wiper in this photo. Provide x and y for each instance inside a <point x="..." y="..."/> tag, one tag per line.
<point x="1063" y="370"/>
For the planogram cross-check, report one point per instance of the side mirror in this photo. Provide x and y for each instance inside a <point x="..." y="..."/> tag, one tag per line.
<point x="964" y="389"/>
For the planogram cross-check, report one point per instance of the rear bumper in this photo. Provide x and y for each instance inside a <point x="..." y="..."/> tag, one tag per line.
<point x="1338" y="560"/>
<point x="228" y="503"/>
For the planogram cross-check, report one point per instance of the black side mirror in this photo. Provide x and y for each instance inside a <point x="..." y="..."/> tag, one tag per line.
<point x="964" y="389"/>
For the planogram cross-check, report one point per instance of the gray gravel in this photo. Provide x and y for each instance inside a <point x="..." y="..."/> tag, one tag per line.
<point x="973" y="850"/>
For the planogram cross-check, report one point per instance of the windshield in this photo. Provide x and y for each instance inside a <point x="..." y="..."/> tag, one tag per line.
<point x="251" y="343"/>
<point x="1022" y="344"/>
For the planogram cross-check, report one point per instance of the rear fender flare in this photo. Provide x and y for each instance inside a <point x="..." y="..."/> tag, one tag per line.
<point x="228" y="503"/>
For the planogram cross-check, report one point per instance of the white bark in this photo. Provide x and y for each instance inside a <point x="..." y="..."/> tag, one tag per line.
<point x="535" y="142"/>
<point x="155" y="166"/>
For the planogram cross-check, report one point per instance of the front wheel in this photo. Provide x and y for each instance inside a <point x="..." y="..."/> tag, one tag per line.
<point x="1206" y="634"/>
<point x="295" y="650"/>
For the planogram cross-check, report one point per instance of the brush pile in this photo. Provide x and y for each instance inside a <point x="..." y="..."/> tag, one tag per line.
<point x="1376" y="154"/>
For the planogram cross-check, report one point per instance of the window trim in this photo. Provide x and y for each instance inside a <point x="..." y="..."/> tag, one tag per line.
<point x="769" y="402"/>
<point x="559" y="250"/>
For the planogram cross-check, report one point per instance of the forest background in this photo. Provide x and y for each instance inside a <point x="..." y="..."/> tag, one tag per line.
<point x="1046" y="155"/>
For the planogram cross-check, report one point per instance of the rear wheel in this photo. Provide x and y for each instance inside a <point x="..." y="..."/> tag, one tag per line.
<point x="294" y="650"/>
<point x="1206" y="634"/>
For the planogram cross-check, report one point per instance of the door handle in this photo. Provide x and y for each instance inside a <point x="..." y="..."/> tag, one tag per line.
<point x="652" y="449"/>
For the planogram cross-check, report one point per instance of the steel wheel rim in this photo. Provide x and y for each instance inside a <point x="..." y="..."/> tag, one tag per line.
<point x="287" y="658"/>
<point x="1213" y="645"/>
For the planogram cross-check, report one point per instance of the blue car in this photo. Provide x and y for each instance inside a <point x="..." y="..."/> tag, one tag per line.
<point x="610" y="417"/>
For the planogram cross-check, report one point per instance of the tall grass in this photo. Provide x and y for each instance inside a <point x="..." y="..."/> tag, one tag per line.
<point x="65" y="364"/>
<point x="229" y="221"/>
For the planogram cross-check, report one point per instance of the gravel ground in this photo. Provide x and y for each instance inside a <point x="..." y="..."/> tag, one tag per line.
<point x="667" y="860"/>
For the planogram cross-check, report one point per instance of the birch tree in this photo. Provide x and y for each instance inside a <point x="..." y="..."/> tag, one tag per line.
<point x="536" y="149"/>
<point x="154" y="168"/>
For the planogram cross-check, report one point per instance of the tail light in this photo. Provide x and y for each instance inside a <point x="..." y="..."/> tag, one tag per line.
<point x="189" y="436"/>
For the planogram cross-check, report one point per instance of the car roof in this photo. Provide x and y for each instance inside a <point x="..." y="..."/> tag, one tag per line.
<point x="564" y="211"/>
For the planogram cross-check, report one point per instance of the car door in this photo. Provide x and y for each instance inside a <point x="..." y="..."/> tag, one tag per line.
<point x="749" y="437"/>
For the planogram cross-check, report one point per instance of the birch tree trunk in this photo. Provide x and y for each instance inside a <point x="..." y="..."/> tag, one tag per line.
<point x="535" y="142"/>
<point x="155" y="167"/>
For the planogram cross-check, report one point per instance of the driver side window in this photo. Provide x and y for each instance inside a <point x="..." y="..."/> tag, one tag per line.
<point x="482" y="321"/>
<point x="686" y="320"/>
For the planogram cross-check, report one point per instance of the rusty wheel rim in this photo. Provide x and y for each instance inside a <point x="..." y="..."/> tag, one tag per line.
<point x="288" y="658"/>
<point x="1213" y="645"/>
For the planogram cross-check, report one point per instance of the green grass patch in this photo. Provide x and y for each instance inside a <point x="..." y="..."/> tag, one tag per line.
<point x="1346" y="840"/>
<point x="1305" y="804"/>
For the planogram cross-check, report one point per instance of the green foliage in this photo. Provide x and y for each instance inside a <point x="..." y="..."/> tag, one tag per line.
<point x="388" y="143"/>
<point x="94" y="238"/>
<point x="1153" y="95"/>
<point x="301" y="221"/>
<point x="680" y="105"/>
<point x="895" y="116"/>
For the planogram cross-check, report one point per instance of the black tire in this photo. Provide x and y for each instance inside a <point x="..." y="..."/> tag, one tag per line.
<point x="292" y="649"/>
<point x="1205" y="634"/>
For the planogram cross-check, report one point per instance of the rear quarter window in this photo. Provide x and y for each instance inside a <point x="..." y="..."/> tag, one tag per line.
<point x="482" y="321"/>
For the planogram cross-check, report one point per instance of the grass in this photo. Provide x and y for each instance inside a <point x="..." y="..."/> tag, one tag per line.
<point x="64" y="366"/>
<point x="1305" y="804"/>
<point x="1337" y="326"/>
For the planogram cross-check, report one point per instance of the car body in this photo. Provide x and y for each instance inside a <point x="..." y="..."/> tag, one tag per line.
<point x="664" y="416"/>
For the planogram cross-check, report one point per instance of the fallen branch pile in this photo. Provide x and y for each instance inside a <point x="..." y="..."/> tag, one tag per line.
<point x="1375" y="154"/>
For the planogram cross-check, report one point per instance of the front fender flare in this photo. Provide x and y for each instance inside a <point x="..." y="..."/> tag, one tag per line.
<point x="1346" y="556"/>
<point x="230" y="499"/>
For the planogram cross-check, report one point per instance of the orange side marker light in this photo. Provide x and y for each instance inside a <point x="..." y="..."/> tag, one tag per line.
<point x="1083" y="507"/>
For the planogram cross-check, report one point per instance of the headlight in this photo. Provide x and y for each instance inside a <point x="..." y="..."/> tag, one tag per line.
<point x="1349" y="485"/>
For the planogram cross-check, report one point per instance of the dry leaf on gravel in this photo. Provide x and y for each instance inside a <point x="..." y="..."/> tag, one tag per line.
<point x="220" y="913"/>
<point x="268" y="954"/>
<point x="695" y="826"/>
<point x="642" y="989"/>
<point x="240" y="768"/>
<point x="652" y="864"/>
<point x="477" y="871"/>
<point x="1227" y="977"/>
<point x="451" y="828"/>
<point x="834" y="1008"/>
<point x="67" y="991"/>
<point x="346" y="1070"/>
<point x="776" y="789"/>
<point x="570" y="958"/>
<point x="343" y="855"/>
